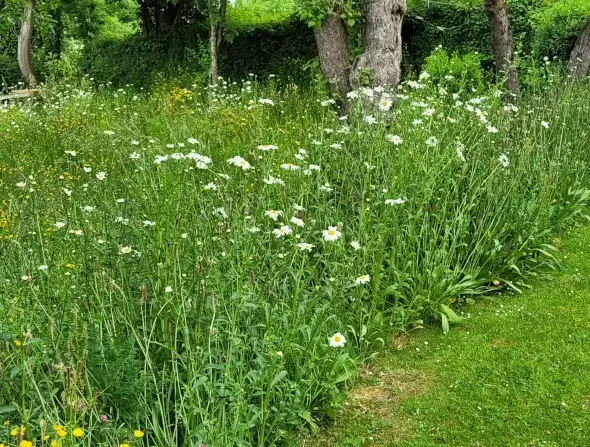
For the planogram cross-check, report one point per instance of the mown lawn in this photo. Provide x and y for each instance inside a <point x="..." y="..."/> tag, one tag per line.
<point x="516" y="374"/>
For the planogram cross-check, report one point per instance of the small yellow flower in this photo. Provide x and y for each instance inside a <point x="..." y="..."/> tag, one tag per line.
<point x="124" y="445"/>
<point x="18" y="431"/>
<point x="18" y="343"/>
<point x="70" y="266"/>
<point x="25" y="444"/>
<point x="45" y="438"/>
<point x="57" y="428"/>
<point x="138" y="433"/>
<point x="55" y="443"/>
<point x="62" y="433"/>
<point x="77" y="432"/>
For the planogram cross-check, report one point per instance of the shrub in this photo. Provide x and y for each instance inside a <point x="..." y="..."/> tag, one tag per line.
<point x="455" y="73"/>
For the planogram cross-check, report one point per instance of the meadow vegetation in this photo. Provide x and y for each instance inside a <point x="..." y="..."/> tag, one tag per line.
<point x="194" y="266"/>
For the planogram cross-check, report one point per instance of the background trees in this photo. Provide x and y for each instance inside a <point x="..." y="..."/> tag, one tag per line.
<point x="133" y="41"/>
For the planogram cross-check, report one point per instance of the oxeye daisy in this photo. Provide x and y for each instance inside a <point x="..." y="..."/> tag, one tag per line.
<point x="283" y="230"/>
<point x="363" y="279"/>
<point x="289" y="167"/>
<point x="273" y="214"/>
<point x="239" y="162"/>
<point x="267" y="147"/>
<point x="297" y="221"/>
<point x="337" y="340"/>
<point x="331" y="234"/>
<point x="304" y="246"/>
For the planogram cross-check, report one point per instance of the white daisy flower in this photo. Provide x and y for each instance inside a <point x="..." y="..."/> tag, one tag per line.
<point x="59" y="225"/>
<point x="545" y="124"/>
<point x="355" y="245"/>
<point x="297" y="221"/>
<point x="268" y="147"/>
<point x="394" y="139"/>
<point x="304" y="246"/>
<point x="331" y="234"/>
<point x="273" y="214"/>
<point x="125" y="250"/>
<point x="503" y="160"/>
<point x="363" y="279"/>
<point x="283" y="230"/>
<point x="289" y="167"/>
<point x="239" y="162"/>
<point x="210" y="186"/>
<point x="432" y="141"/>
<point x="101" y="175"/>
<point x="337" y="340"/>
<point x="273" y="181"/>
<point x="398" y="201"/>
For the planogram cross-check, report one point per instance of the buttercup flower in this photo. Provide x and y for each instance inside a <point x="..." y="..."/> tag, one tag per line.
<point x="138" y="433"/>
<point x="77" y="432"/>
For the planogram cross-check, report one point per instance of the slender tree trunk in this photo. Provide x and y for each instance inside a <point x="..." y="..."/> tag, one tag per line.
<point x="579" y="63"/>
<point x="382" y="58"/>
<point x="24" y="44"/>
<point x="502" y="44"/>
<point x="213" y="51"/>
<point x="332" y="42"/>
<point x="221" y="27"/>
<point x="216" y="31"/>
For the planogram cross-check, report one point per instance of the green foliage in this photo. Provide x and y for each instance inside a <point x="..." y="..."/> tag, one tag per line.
<point x="250" y="15"/>
<point x="557" y="25"/>
<point x="487" y="366"/>
<point x="455" y="73"/>
<point x="280" y="51"/>
<point x="145" y="279"/>
<point x="142" y="62"/>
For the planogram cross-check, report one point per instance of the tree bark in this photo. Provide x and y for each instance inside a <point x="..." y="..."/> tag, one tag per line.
<point x="24" y="44"/>
<point x="213" y="51"/>
<point x="502" y="44"/>
<point x="579" y="63"/>
<point x="221" y="27"/>
<point x="381" y="61"/>
<point x="332" y="42"/>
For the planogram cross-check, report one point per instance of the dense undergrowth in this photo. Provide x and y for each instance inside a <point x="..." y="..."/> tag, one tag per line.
<point x="179" y="262"/>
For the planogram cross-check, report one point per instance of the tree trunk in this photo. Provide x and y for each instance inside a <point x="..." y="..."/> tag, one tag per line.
<point x="24" y="44"/>
<point x="381" y="61"/>
<point x="213" y="51"/>
<point x="332" y="43"/>
<point x="579" y="63"/>
<point x="221" y="27"/>
<point x="502" y="44"/>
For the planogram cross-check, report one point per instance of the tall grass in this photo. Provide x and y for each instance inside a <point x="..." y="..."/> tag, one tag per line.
<point x="139" y="291"/>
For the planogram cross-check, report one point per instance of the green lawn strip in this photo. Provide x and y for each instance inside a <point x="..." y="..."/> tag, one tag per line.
<point x="517" y="373"/>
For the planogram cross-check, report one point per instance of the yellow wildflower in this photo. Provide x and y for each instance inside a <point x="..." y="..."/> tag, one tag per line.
<point x="77" y="432"/>
<point x="18" y="343"/>
<point x="45" y="438"/>
<point x="62" y="433"/>
<point x="57" y="428"/>
<point x="70" y="265"/>
<point x="25" y="444"/>
<point x="18" y="431"/>
<point x="138" y="434"/>
<point x="55" y="443"/>
<point x="120" y="445"/>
